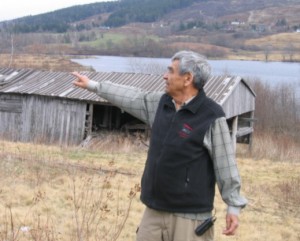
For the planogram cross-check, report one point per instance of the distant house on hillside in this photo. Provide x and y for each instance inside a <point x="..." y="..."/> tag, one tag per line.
<point x="261" y="28"/>
<point x="45" y="106"/>
<point x="237" y="23"/>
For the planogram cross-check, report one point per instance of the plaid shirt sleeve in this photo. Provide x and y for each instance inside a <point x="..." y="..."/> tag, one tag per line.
<point x="138" y="103"/>
<point x="219" y="145"/>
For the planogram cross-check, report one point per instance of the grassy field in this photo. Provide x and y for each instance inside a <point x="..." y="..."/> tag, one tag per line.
<point x="281" y="40"/>
<point x="280" y="47"/>
<point x="40" y="62"/>
<point x="108" y="40"/>
<point x="92" y="193"/>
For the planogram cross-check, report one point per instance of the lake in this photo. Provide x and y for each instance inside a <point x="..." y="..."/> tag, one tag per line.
<point x="272" y="73"/>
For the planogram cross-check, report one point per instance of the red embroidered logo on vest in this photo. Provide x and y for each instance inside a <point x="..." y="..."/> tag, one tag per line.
<point x="185" y="131"/>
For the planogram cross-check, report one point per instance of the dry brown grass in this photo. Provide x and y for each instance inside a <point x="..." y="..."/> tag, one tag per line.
<point x="277" y="56"/>
<point x="275" y="147"/>
<point x="59" y="190"/>
<point x="40" y="62"/>
<point x="280" y="40"/>
<point x="282" y="47"/>
<point x="38" y="183"/>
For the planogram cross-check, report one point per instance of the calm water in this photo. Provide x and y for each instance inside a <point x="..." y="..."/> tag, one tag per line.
<point x="271" y="72"/>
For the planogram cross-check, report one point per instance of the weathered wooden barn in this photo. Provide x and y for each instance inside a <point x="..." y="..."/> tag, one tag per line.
<point x="45" y="106"/>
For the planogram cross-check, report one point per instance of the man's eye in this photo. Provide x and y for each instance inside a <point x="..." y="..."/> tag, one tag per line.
<point x="170" y="70"/>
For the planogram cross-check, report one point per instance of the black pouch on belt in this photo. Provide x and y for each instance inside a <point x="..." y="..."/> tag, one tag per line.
<point x="203" y="227"/>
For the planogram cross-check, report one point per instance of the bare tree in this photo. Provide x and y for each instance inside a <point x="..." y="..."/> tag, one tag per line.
<point x="12" y="50"/>
<point x="290" y="50"/>
<point x="267" y="51"/>
<point x="138" y="66"/>
<point x="277" y="109"/>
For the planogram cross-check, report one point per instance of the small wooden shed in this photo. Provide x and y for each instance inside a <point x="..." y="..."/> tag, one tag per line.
<point x="45" y="106"/>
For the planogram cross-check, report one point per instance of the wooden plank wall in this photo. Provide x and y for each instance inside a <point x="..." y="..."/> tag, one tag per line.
<point x="44" y="119"/>
<point x="240" y="101"/>
<point x="10" y="116"/>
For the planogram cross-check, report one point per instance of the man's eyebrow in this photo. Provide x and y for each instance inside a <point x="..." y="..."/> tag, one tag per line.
<point x="170" y="68"/>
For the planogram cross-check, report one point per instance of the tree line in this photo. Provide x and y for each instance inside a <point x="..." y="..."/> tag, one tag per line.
<point x="58" y="21"/>
<point x="122" y="12"/>
<point x="144" y="10"/>
<point x="277" y="109"/>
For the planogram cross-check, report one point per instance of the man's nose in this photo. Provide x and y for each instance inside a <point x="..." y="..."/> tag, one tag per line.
<point x="165" y="76"/>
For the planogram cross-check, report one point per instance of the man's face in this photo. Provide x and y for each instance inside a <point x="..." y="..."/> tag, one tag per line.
<point x="174" y="81"/>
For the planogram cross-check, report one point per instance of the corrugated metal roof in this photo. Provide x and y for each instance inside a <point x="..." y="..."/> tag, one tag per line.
<point x="59" y="84"/>
<point x="219" y="88"/>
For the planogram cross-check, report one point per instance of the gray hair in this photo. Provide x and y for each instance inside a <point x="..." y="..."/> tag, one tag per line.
<point x="194" y="63"/>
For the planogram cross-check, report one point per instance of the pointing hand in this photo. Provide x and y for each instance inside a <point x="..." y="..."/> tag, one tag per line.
<point x="81" y="81"/>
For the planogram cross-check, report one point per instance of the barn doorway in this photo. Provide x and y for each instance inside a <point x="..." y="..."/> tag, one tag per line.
<point x="107" y="117"/>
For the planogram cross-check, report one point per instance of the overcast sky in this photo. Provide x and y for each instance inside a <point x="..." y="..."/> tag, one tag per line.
<point x="10" y="9"/>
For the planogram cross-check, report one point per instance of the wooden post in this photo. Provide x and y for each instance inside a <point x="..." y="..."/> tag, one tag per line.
<point x="89" y="119"/>
<point x="118" y="118"/>
<point x="251" y="134"/>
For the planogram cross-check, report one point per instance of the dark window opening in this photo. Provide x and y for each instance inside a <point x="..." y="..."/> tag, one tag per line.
<point x="245" y="123"/>
<point x="112" y="118"/>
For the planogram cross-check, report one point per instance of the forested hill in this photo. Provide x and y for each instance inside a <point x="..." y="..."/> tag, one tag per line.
<point x="120" y="13"/>
<point x="145" y="10"/>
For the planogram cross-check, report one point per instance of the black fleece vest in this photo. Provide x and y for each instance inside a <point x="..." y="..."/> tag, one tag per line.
<point x="179" y="175"/>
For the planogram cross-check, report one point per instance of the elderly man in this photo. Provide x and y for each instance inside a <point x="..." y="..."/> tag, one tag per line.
<point x="190" y="150"/>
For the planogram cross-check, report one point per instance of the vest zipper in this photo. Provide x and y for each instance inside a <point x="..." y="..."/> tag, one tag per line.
<point x="171" y="124"/>
<point x="187" y="179"/>
<point x="155" y="178"/>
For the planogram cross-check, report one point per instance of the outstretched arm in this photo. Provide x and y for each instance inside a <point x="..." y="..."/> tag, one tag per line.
<point x="135" y="101"/>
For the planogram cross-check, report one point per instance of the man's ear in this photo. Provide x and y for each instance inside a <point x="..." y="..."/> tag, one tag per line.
<point x="188" y="79"/>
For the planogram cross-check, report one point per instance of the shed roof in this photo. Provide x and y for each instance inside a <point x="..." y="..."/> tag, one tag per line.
<point x="59" y="84"/>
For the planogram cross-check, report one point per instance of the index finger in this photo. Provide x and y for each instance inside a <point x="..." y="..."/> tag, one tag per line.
<point x="76" y="74"/>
